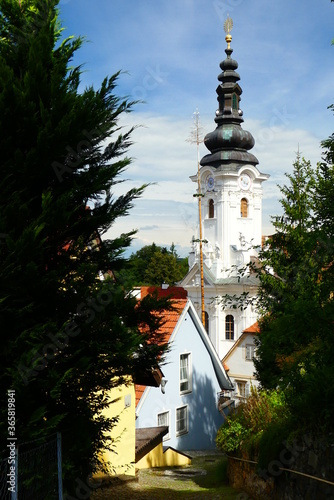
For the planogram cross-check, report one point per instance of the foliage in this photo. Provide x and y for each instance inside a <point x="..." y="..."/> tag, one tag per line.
<point x="68" y="336"/>
<point x="243" y="428"/>
<point x="295" y="349"/>
<point x="230" y="437"/>
<point x="295" y="270"/>
<point x="154" y="265"/>
<point x="271" y="443"/>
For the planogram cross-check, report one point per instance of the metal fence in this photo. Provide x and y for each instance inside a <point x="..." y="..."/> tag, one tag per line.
<point x="38" y="471"/>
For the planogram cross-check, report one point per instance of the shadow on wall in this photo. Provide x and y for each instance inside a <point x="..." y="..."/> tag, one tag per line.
<point x="203" y="414"/>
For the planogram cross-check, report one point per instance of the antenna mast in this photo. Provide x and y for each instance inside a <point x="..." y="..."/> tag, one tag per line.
<point x="196" y="137"/>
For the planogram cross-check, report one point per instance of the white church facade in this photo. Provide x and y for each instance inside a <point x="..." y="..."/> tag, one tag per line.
<point x="231" y="198"/>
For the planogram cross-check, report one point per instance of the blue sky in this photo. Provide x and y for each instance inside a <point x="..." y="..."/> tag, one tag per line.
<point x="170" y="52"/>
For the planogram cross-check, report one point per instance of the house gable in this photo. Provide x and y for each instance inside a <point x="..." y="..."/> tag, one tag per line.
<point x="240" y="365"/>
<point x="190" y="411"/>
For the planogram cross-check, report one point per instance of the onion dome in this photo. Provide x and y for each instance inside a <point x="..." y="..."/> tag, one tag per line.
<point x="229" y="143"/>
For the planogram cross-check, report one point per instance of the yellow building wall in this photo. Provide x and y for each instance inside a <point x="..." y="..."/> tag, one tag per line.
<point x="157" y="458"/>
<point x="122" y="458"/>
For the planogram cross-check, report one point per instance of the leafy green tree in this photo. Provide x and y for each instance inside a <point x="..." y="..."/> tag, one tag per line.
<point x="296" y="272"/>
<point x="294" y="349"/>
<point x="67" y="335"/>
<point x="163" y="268"/>
<point x="154" y="265"/>
<point x="137" y="264"/>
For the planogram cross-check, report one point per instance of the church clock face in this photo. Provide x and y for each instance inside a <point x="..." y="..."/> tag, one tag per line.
<point x="210" y="183"/>
<point x="245" y="181"/>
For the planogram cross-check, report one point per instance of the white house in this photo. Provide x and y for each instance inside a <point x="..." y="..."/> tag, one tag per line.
<point x="239" y="363"/>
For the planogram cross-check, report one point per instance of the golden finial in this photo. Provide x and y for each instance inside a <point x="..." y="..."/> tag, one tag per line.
<point x="228" y="25"/>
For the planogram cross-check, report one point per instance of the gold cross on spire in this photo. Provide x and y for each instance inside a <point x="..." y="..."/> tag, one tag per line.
<point x="228" y="25"/>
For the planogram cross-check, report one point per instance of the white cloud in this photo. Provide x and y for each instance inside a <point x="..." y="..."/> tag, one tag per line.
<point x="168" y="212"/>
<point x="172" y="50"/>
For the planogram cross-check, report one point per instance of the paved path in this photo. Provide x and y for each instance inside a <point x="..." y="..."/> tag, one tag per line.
<point x="203" y="479"/>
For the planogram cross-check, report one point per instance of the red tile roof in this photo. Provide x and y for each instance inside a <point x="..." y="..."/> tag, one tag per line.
<point x="252" y="329"/>
<point x="175" y="292"/>
<point x="170" y="319"/>
<point x="139" y="392"/>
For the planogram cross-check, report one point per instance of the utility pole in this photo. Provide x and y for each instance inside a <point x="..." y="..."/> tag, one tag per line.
<point x="196" y="137"/>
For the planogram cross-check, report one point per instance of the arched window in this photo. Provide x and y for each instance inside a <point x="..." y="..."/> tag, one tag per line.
<point x="234" y="102"/>
<point x="229" y="327"/>
<point x="211" y="209"/>
<point x="244" y="208"/>
<point x="206" y="322"/>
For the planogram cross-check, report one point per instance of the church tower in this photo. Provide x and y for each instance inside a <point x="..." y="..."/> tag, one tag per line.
<point x="231" y="199"/>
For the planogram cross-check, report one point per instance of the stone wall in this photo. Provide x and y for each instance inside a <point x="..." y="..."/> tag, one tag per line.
<point x="311" y="456"/>
<point x="242" y="476"/>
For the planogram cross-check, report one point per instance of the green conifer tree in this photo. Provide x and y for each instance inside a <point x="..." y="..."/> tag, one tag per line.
<point x="67" y="335"/>
<point x="294" y="348"/>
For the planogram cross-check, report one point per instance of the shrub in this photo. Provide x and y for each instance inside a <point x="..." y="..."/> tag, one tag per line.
<point x="231" y="435"/>
<point x="243" y="429"/>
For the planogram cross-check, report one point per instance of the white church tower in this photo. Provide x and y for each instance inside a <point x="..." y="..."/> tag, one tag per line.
<point x="231" y="197"/>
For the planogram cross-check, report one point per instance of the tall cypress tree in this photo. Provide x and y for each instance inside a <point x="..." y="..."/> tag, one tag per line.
<point x="67" y="335"/>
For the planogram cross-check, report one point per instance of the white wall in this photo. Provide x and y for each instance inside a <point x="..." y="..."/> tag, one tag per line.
<point x="204" y="416"/>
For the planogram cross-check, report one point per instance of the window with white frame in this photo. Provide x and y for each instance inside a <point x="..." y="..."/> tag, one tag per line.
<point x="163" y="420"/>
<point x="241" y="388"/>
<point x="229" y="327"/>
<point x="181" y="420"/>
<point x="249" y="352"/>
<point x="185" y="373"/>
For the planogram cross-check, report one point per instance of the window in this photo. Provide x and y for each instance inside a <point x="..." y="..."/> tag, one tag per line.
<point x="206" y="322"/>
<point x="244" y="208"/>
<point x="181" y="420"/>
<point x="229" y="327"/>
<point x="241" y="386"/>
<point x="234" y="101"/>
<point x="250" y="352"/>
<point x="185" y="373"/>
<point x="163" y="420"/>
<point x="211" y="209"/>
